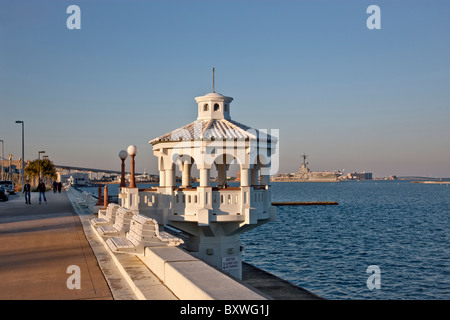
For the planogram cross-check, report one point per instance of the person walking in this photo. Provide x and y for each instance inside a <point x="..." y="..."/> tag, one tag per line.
<point x="59" y="187"/>
<point x="55" y="186"/>
<point x="27" y="191"/>
<point x="41" y="189"/>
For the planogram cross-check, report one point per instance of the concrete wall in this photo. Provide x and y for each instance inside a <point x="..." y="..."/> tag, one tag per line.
<point x="192" y="279"/>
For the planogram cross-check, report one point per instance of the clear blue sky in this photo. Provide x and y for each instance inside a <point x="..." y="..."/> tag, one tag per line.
<point x="349" y="97"/>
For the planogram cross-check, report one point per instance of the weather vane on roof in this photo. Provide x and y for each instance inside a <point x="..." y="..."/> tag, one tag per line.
<point x="213" y="81"/>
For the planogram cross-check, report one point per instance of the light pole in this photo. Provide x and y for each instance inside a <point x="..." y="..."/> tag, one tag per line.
<point x="3" y="156"/>
<point x="132" y="151"/>
<point x="23" y="152"/>
<point x="123" y="155"/>
<point x="43" y="159"/>
<point x="39" y="160"/>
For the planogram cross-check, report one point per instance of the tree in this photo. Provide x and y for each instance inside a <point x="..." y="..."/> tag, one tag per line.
<point x="45" y="167"/>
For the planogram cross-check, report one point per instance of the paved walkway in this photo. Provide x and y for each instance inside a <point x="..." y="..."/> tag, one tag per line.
<point x="37" y="245"/>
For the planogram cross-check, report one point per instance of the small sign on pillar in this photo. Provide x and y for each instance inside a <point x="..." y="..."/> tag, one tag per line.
<point x="230" y="263"/>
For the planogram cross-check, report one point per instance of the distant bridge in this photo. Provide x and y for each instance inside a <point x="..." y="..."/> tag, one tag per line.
<point x="103" y="171"/>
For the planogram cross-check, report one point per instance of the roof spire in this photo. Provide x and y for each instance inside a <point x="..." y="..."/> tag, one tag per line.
<point x="213" y="81"/>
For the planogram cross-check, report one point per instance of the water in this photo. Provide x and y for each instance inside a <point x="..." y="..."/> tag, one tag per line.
<point x="401" y="227"/>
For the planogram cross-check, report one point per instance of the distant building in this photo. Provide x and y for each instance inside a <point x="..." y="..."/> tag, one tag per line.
<point x="10" y="167"/>
<point x="75" y="178"/>
<point x="359" y="176"/>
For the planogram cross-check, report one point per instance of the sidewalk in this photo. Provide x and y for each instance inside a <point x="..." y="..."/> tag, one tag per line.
<point x="37" y="245"/>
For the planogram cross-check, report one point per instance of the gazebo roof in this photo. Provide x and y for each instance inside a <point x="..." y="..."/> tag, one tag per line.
<point x="214" y="129"/>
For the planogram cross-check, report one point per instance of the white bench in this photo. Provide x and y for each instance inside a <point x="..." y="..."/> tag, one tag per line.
<point x="121" y="224"/>
<point x="144" y="232"/>
<point x="89" y="200"/>
<point x="109" y="215"/>
<point x="86" y="196"/>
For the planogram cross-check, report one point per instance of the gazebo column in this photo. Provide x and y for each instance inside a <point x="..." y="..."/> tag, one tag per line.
<point x="205" y="192"/>
<point x="170" y="176"/>
<point x="162" y="178"/>
<point x="162" y="172"/>
<point x="186" y="175"/>
<point x="245" y="177"/>
<point x="204" y="177"/>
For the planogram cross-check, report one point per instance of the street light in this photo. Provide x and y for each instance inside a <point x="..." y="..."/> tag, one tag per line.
<point x="23" y="156"/>
<point x="132" y="151"/>
<point x="39" y="160"/>
<point x="3" y="156"/>
<point x="123" y="155"/>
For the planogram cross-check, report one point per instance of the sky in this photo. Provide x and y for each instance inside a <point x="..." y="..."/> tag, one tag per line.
<point x="350" y="97"/>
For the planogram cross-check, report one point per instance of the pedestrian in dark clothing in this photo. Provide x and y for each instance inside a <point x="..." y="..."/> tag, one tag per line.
<point x="59" y="187"/>
<point x="41" y="189"/>
<point x="55" y="186"/>
<point x="27" y="191"/>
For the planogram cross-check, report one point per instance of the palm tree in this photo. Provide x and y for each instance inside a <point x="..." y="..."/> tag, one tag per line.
<point x="43" y="167"/>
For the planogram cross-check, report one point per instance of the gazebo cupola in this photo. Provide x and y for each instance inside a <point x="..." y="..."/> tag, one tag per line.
<point x="213" y="106"/>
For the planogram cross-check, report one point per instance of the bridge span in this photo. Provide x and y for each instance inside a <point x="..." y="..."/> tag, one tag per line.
<point x="60" y="168"/>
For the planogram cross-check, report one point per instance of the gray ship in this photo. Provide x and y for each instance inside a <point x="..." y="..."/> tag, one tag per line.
<point x="306" y="175"/>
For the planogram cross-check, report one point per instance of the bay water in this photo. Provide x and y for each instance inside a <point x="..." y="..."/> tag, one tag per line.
<point x="398" y="226"/>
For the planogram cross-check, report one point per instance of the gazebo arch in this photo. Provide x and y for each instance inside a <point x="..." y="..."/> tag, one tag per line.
<point x="222" y="164"/>
<point x="184" y="163"/>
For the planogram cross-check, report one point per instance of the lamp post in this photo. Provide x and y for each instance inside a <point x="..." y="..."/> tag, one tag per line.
<point x="39" y="160"/>
<point x="105" y="202"/>
<point x="43" y="159"/>
<point x="3" y="156"/>
<point x="123" y="155"/>
<point x="132" y="151"/>
<point x="9" y="168"/>
<point x="23" y="156"/>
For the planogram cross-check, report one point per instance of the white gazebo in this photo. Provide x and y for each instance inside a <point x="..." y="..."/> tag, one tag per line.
<point x="212" y="214"/>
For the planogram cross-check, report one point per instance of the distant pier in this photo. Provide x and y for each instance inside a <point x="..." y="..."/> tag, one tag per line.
<point x="306" y="203"/>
